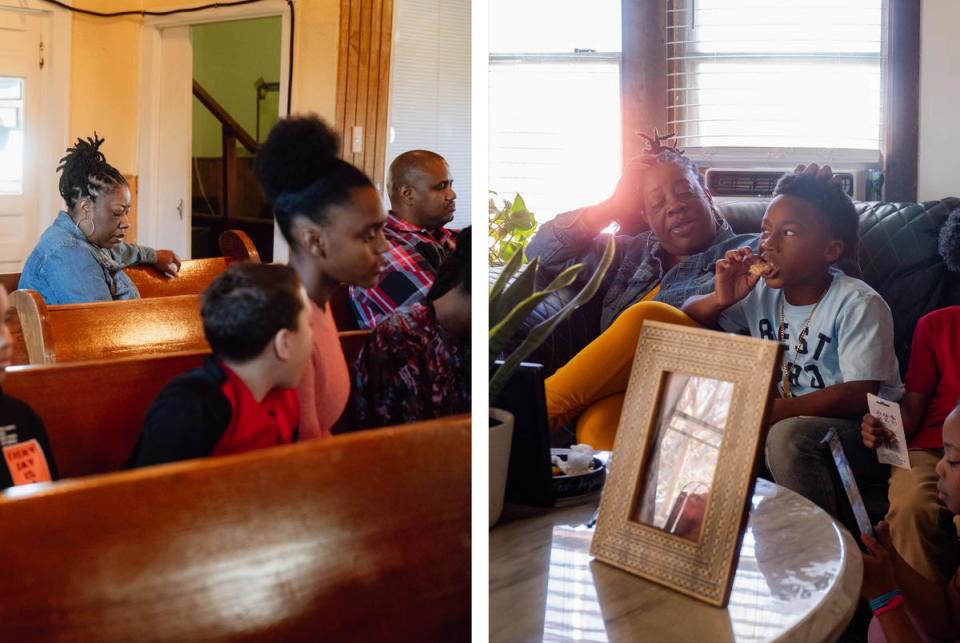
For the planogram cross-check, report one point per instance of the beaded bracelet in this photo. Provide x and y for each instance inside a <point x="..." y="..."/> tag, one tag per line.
<point x="896" y="601"/>
<point x="883" y="599"/>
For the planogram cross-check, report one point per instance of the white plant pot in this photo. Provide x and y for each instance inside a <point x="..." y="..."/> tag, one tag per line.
<point x="501" y="435"/>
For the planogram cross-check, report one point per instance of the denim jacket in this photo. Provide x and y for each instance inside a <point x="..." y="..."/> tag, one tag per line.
<point x="65" y="268"/>
<point x="636" y="267"/>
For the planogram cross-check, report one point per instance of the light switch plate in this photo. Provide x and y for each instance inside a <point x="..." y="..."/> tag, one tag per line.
<point x="357" y="142"/>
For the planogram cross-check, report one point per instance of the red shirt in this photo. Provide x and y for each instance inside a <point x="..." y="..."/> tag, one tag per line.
<point x="933" y="371"/>
<point x="256" y="425"/>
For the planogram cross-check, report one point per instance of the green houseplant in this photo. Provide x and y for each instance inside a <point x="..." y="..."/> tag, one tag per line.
<point x="512" y="298"/>
<point x="509" y="227"/>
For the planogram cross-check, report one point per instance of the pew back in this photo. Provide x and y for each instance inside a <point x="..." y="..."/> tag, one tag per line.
<point x="363" y="537"/>
<point x="194" y="274"/>
<point x="107" y="329"/>
<point x="94" y="411"/>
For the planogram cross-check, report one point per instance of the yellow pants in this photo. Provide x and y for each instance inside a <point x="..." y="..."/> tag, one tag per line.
<point x="593" y="382"/>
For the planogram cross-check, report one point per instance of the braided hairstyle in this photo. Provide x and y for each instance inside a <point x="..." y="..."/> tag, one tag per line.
<point x="660" y="152"/>
<point x="301" y="174"/>
<point x="84" y="172"/>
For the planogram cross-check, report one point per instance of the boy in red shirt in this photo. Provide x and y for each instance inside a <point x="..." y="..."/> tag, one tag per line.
<point x="257" y="320"/>
<point x="921" y="527"/>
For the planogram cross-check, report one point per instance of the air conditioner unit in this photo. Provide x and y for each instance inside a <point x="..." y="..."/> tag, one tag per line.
<point x="737" y="184"/>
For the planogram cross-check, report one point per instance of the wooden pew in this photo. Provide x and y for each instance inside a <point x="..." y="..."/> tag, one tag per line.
<point x="110" y="329"/>
<point x="363" y="537"/>
<point x="94" y="411"/>
<point x="194" y="274"/>
<point x="106" y="330"/>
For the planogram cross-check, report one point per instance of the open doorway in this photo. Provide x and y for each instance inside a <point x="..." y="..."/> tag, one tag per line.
<point x="236" y="100"/>
<point x="168" y="186"/>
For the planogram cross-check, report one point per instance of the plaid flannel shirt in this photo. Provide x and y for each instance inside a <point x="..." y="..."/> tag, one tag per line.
<point x="637" y="266"/>
<point x="414" y="256"/>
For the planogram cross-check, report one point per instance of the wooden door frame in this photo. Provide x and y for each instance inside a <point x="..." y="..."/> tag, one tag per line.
<point x="149" y="163"/>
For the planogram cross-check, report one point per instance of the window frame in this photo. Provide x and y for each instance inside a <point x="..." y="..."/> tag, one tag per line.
<point x="644" y="90"/>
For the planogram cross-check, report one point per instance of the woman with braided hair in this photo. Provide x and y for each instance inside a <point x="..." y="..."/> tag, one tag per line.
<point x="81" y="256"/>
<point x="660" y="268"/>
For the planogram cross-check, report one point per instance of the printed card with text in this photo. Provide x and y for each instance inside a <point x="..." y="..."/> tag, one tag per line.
<point x="26" y="463"/>
<point x="894" y="451"/>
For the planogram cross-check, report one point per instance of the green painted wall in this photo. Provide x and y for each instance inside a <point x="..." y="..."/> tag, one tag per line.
<point x="228" y="57"/>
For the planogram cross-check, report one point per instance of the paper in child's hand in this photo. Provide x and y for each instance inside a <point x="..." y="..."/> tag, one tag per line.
<point x="893" y="450"/>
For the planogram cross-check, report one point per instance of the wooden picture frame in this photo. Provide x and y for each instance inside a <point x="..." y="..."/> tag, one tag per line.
<point x="676" y="533"/>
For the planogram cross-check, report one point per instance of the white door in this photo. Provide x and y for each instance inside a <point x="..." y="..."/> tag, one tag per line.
<point x="176" y="141"/>
<point x="21" y="134"/>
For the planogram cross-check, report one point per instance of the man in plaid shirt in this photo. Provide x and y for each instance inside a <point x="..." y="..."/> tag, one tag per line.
<point x="422" y="201"/>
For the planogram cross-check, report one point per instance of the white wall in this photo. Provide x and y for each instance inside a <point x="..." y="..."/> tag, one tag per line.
<point x="938" y="167"/>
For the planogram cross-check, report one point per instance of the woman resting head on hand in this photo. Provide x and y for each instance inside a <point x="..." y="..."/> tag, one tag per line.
<point x="81" y="256"/>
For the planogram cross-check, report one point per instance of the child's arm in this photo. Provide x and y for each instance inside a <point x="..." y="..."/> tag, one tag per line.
<point x="848" y="399"/>
<point x="930" y="602"/>
<point x="879" y="579"/>
<point x="732" y="282"/>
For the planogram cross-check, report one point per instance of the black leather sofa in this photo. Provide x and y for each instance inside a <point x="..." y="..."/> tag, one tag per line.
<point x="898" y="258"/>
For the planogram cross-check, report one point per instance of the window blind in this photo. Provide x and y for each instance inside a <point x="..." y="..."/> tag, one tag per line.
<point x="554" y="102"/>
<point x="430" y="88"/>
<point x="776" y="73"/>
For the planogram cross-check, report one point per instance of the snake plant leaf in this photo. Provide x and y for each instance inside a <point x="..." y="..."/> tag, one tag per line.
<point x="504" y="330"/>
<point x="541" y="331"/>
<point x="513" y="293"/>
<point x="506" y="275"/>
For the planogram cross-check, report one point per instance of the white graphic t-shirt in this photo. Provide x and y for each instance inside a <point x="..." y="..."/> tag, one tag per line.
<point x="850" y="337"/>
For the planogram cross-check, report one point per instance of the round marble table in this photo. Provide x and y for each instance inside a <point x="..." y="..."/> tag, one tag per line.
<point x="798" y="579"/>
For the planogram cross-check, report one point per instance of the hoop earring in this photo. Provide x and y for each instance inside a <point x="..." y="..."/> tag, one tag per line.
<point x="93" y="227"/>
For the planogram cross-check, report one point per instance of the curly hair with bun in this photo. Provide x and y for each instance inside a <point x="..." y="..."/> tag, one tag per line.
<point x="84" y="172"/>
<point x="301" y="174"/>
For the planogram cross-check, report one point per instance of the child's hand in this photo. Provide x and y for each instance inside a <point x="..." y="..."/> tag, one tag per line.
<point x="733" y="280"/>
<point x="878" y="576"/>
<point x="873" y="432"/>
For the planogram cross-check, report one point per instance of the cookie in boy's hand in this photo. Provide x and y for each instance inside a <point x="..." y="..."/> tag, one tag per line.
<point x="760" y="269"/>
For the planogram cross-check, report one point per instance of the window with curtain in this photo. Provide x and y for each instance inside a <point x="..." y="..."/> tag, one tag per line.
<point x="784" y="75"/>
<point x="554" y="117"/>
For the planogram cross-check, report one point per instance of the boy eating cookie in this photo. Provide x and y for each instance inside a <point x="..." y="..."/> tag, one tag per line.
<point x="837" y="332"/>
